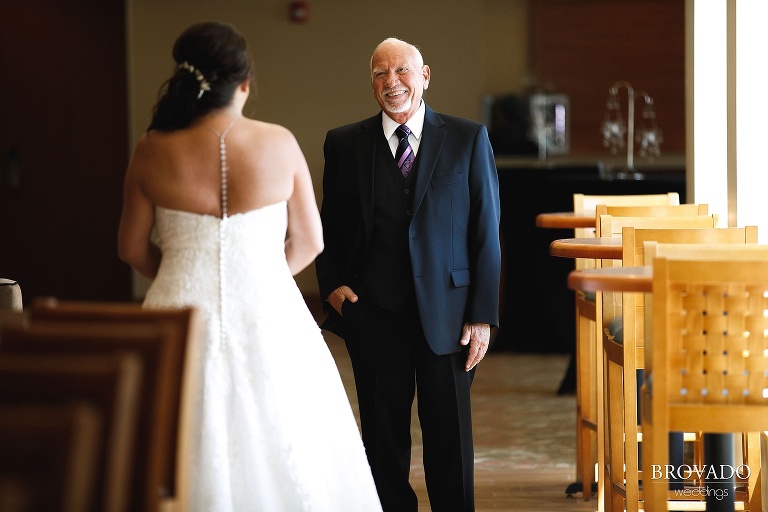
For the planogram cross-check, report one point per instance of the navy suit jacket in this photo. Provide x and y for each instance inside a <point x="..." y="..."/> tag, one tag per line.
<point x="454" y="230"/>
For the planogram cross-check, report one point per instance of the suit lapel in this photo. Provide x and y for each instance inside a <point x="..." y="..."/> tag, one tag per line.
<point x="432" y="139"/>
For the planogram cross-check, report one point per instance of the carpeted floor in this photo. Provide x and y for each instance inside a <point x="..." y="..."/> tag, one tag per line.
<point x="524" y="434"/>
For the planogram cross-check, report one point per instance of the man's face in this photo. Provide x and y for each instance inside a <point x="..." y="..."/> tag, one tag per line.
<point x="399" y="79"/>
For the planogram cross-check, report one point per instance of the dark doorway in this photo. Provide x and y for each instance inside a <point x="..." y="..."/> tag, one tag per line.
<point x="63" y="147"/>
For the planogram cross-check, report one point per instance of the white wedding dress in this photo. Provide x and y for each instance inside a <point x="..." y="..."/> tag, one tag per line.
<point x="271" y="426"/>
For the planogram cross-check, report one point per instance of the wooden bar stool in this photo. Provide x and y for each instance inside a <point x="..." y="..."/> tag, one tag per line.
<point x="623" y="354"/>
<point x="588" y="450"/>
<point x="705" y="363"/>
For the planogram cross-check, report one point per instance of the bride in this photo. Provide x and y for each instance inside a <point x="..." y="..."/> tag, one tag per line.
<point x="234" y="210"/>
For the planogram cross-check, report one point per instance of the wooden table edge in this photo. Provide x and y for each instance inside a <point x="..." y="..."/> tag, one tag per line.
<point x="601" y="248"/>
<point x="565" y="220"/>
<point x="612" y="279"/>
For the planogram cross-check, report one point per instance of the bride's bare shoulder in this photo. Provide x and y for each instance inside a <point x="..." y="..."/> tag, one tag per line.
<point x="266" y="129"/>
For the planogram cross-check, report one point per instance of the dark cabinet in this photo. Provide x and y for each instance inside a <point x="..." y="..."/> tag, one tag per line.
<point x="537" y="308"/>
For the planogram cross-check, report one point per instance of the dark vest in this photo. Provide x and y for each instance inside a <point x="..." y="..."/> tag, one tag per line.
<point x="386" y="273"/>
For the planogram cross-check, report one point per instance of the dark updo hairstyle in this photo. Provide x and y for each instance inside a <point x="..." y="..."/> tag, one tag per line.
<point x="211" y="61"/>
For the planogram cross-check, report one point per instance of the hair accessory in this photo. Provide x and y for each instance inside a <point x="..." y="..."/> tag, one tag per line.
<point x="204" y="84"/>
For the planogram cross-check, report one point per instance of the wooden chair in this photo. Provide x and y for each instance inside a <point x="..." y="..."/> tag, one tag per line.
<point x="705" y="362"/>
<point x="589" y="355"/>
<point x="588" y="451"/>
<point x="588" y="203"/>
<point x="50" y="447"/>
<point x="98" y="474"/>
<point x="169" y="440"/>
<point x="75" y="326"/>
<point x="750" y="250"/>
<point x="610" y="307"/>
<point x="659" y="210"/>
<point x="623" y="352"/>
<point x="752" y="491"/>
<point x="640" y="205"/>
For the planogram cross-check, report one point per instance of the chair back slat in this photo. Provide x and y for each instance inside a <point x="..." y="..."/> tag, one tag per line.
<point x="111" y="383"/>
<point x="51" y="447"/>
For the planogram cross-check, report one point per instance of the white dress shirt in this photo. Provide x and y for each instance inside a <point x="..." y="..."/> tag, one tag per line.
<point x="415" y="124"/>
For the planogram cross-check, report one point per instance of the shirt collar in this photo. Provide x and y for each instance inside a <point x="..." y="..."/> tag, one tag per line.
<point x="415" y="123"/>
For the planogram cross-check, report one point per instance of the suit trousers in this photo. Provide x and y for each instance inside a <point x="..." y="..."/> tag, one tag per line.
<point x="392" y="364"/>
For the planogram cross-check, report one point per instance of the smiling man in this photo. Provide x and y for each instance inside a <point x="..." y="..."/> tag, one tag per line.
<point x="410" y="274"/>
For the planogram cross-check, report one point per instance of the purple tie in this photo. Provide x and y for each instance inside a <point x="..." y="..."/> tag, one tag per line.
<point x="404" y="155"/>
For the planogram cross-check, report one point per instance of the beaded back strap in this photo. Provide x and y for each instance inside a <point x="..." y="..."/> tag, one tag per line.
<point x="222" y="228"/>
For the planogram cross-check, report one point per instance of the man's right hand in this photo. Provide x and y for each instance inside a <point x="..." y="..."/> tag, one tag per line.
<point x="339" y="295"/>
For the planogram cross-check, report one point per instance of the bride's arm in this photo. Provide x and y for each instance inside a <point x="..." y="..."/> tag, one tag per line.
<point x="137" y="219"/>
<point x="305" y="232"/>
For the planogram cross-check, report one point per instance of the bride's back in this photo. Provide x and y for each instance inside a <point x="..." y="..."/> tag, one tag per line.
<point x="261" y="159"/>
